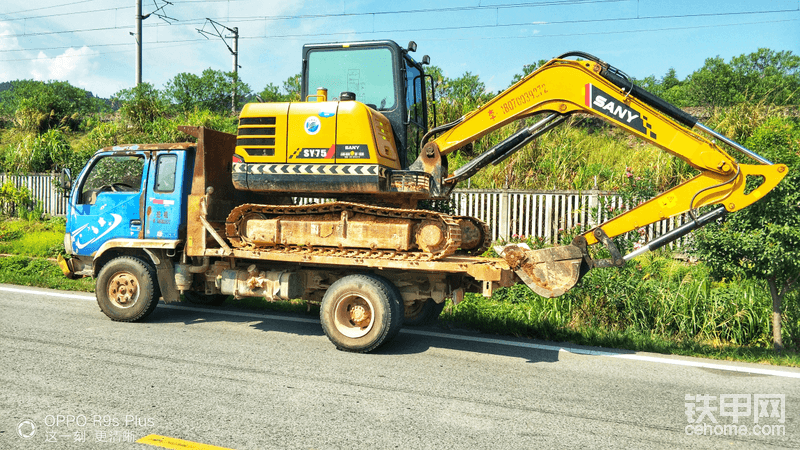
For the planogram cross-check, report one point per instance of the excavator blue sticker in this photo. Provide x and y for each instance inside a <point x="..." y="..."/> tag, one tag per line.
<point x="312" y="125"/>
<point x="607" y="105"/>
<point x="326" y="114"/>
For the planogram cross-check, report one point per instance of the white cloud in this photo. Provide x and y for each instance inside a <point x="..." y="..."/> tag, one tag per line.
<point x="73" y="65"/>
<point x="9" y="43"/>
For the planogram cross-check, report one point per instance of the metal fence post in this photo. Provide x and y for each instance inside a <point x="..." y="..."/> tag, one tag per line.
<point x="505" y="210"/>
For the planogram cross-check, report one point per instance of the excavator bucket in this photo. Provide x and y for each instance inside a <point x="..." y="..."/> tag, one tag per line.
<point x="550" y="272"/>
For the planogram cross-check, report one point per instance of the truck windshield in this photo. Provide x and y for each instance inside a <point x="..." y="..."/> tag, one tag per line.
<point x="112" y="174"/>
<point x="368" y="72"/>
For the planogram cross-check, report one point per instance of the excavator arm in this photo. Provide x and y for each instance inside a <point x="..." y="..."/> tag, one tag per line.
<point x="563" y="87"/>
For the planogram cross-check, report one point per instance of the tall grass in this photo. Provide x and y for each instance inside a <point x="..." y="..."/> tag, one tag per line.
<point x="585" y="153"/>
<point x="654" y="297"/>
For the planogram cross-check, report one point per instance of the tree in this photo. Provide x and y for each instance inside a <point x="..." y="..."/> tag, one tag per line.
<point x="39" y="106"/>
<point x="769" y="75"/>
<point x="715" y="84"/>
<point x="292" y="88"/>
<point x="763" y="240"/>
<point x="212" y="90"/>
<point x="527" y="69"/>
<point x="141" y="104"/>
<point x="272" y="93"/>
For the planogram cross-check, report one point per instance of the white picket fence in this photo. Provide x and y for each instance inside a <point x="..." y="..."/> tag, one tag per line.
<point x="509" y="213"/>
<point x="43" y="190"/>
<point x="548" y="214"/>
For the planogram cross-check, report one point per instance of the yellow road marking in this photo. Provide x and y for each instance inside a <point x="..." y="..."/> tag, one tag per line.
<point x="175" y="443"/>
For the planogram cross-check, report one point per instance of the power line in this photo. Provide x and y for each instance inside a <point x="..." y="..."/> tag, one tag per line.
<point x="49" y="7"/>
<point x="304" y="16"/>
<point x="180" y="43"/>
<point x="524" y="37"/>
<point x="429" y="10"/>
<point x="160" y="44"/>
<point x="68" y="13"/>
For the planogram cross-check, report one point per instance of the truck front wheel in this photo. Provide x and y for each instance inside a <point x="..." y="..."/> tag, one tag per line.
<point x="361" y="312"/>
<point x="126" y="289"/>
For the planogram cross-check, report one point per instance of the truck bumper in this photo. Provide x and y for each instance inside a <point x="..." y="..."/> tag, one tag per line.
<point x="74" y="267"/>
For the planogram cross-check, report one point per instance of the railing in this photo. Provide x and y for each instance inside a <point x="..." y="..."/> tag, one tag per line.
<point x="547" y="214"/>
<point x="44" y="191"/>
<point x="509" y="213"/>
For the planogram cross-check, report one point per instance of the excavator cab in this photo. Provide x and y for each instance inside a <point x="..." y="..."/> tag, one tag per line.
<point x="380" y="74"/>
<point x="353" y="135"/>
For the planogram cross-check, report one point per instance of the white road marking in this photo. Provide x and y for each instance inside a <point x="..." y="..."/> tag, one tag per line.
<point x="48" y="293"/>
<point x="554" y="348"/>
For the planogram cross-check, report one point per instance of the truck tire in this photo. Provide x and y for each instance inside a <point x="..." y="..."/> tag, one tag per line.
<point x="203" y="299"/>
<point x="361" y="312"/>
<point x="422" y="312"/>
<point x="126" y="289"/>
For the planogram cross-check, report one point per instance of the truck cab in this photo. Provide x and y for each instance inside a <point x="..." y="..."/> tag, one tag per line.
<point x="131" y="196"/>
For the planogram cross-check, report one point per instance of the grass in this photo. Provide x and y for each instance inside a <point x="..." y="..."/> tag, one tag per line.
<point x="584" y="154"/>
<point x="39" y="272"/>
<point x="32" y="238"/>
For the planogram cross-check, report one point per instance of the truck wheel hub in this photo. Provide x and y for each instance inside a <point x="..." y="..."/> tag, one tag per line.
<point x="123" y="289"/>
<point x="353" y="316"/>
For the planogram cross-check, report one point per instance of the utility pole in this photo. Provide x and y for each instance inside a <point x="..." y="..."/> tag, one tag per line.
<point x="138" y="38"/>
<point x="234" y="51"/>
<point x="138" y="35"/>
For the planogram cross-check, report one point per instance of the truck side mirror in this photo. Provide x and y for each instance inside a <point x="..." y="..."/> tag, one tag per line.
<point x="66" y="180"/>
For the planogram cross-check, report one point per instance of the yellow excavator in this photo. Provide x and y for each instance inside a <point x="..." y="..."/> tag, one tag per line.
<point x="361" y="138"/>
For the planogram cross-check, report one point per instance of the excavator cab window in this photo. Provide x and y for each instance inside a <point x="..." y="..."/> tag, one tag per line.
<point x="382" y="75"/>
<point x="367" y="72"/>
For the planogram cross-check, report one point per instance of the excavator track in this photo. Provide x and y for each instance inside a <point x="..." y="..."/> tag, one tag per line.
<point x="316" y="217"/>
<point x="482" y="241"/>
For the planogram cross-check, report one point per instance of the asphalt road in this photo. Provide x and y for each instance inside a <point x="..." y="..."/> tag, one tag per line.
<point x="71" y="378"/>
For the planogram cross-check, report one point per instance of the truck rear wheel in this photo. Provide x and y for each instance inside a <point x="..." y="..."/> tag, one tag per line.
<point x="361" y="312"/>
<point x="422" y="312"/>
<point x="126" y="289"/>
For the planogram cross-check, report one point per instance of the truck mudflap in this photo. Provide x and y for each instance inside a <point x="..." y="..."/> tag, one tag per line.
<point x="550" y="272"/>
<point x="66" y="267"/>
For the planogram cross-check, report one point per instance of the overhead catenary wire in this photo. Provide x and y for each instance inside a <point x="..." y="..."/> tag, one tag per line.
<point x="70" y="13"/>
<point x="536" y="36"/>
<point x="195" y="21"/>
<point x="49" y="7"/>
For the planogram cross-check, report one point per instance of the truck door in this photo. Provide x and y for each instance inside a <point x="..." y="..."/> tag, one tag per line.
<point x="164" y="215"/>
<point x="107" y="201"/>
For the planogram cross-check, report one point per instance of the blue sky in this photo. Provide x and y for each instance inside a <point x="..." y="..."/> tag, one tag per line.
<point x="89" y="42"/>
